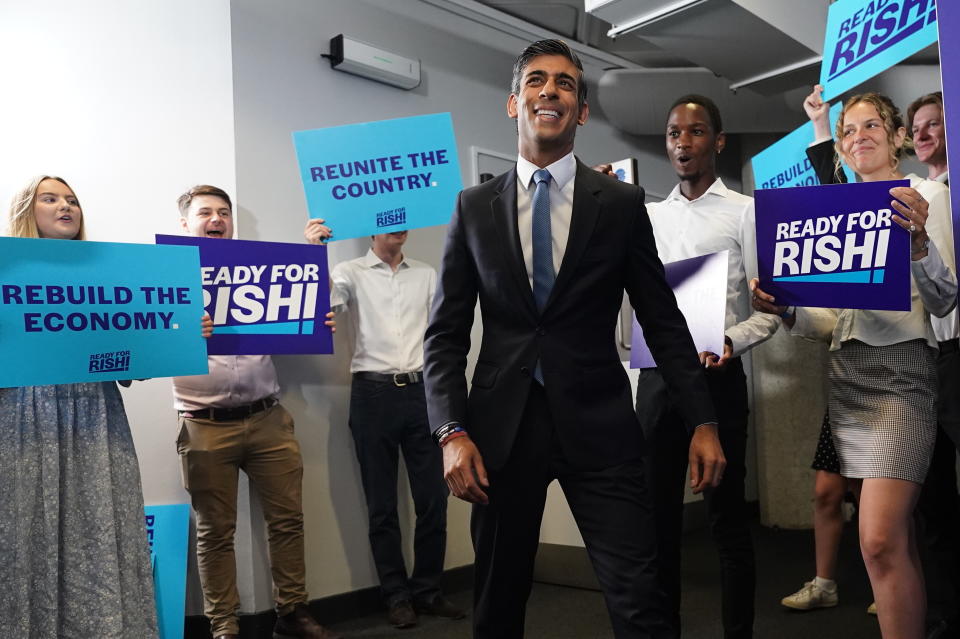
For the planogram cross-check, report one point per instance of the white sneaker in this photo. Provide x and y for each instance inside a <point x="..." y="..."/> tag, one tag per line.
<point x="809" y="597"/>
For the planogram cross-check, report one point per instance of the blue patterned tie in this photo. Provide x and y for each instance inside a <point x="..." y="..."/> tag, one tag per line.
<point x="543" y="273"/>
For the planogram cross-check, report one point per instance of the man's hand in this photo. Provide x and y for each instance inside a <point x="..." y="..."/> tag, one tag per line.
<point x="206" y="326"/>
<point x="463" y="470"/>
<point x="712" y="361"/>
<point x="606" y="169"/>
<point x="316" y="233"/>
<point x="332" y="323"/>
<point x="707" y="462"/>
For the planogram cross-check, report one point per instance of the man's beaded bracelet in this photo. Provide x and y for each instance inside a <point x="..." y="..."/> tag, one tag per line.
<point x="446" y="430"/>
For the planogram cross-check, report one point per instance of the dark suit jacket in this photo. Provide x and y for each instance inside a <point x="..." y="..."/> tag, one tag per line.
<point x="822" y="158"/>
<point x="610" y="249"/>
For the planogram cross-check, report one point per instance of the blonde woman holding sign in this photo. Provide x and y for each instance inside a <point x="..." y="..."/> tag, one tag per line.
<point x="73" y="546"/>
<point x="882" y="368"/>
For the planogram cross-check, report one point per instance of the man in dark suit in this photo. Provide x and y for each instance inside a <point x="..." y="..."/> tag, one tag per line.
<point x="549" y="254"/>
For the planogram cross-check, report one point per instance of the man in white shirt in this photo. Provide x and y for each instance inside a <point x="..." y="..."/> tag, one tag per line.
<point x="387" y="298"/>
<point x="702" y="216"/>
<point x="231" y="419"/>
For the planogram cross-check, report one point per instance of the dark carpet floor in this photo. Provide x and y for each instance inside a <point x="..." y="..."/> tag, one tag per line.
<point x="784" y="562"/>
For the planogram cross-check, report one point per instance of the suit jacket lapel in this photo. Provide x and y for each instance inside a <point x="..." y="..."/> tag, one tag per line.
<point x="504" y="209"/>
<point x="586" y="210"/>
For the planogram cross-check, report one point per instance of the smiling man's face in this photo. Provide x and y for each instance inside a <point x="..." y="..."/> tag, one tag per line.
<point x="546" y="107"/>
<point x="208" y="216"/>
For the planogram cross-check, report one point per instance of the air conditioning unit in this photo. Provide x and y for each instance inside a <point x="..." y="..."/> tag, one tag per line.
<point x="365" y="60"/>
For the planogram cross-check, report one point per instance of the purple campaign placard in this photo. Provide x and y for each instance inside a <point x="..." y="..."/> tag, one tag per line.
<point x="949" y="24"/>
<point x="700" y="285"/>
<point x="265" y="298"/>
<point x="833" y="246"/>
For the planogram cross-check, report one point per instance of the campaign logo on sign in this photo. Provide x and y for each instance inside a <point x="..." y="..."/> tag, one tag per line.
<point x="97" y="311"/>
<point x="109" y="362"/>
<point x="392" y="217"/>
<point x="379" y="177"/>
<point x="833" y="246"/>
<point x="264" y="298"/>
<point x="865" y="37"/>
<point x="784" y="163"/>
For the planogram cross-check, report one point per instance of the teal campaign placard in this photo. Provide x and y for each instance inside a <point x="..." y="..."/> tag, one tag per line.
<point x="96" y="311"/>
<point x="784" y="163"/>
<point x="866" y="37"/>
<point x="168" y="528"/>
<point x="380" y="177"/>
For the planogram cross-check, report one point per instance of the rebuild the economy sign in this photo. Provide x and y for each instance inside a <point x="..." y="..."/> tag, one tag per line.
<point x="833" y="246"/>
<point x="785" y="163"/>
<point x="380" y="177"/>
<point x="866" y="37"/>
<point x="265" y="298"/>
<point x="80" y="311"/>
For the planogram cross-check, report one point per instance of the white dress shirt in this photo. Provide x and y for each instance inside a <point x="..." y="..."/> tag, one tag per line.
<point x="562" y="172"/>
<point x="718" y="220"/>
<point x="234" y="380"/>
<point x="388" y="311"/>
<point x="933" y="290"/>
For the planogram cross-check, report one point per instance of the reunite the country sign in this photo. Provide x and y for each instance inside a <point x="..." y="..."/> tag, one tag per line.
<point x="833" y="246"/>
<point x="265" y="298"/>
<point x="380" y="177"/>
<point x="73" y="311"/>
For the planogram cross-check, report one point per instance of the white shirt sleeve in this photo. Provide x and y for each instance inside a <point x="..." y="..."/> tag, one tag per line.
<point x="341" y="289"/>
<point x="758" y="327"/>
<point x="815" y="324"/>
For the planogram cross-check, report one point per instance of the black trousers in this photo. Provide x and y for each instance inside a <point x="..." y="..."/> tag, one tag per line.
<point x="938" y="511"/>
<point x="386" y="419"/>
<point x="612" y="510"/>
<point x="668" y="443"/>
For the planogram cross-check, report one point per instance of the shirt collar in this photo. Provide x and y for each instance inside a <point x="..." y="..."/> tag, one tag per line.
<point x="370" y="260"/>
<point x="561" y="171"/>
<point x="717" y="188"/>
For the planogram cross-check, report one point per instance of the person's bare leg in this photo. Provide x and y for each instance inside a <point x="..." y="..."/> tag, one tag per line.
<point x="888" y="544"/>
<point x="828" y="492"/>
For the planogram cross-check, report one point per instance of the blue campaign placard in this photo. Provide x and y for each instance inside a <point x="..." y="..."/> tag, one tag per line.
<point x="168" y="528"/>
<point x="866" y="37"/>
<point x="784" y="163"/>
<point x="265" y="298"/>
<point x="379" y="177"/>
<point x="96" y="311"/>
<point x="833" y="246"/>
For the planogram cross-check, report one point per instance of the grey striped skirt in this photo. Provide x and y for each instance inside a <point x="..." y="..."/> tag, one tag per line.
<point x="883" y="409"/>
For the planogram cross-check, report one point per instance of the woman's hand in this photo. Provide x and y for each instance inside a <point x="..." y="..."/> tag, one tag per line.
<point x="914" y="211"/>
<point x="332" y="323"/>
<point x="819" y="113"/>
<point x="316" y="232"/>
